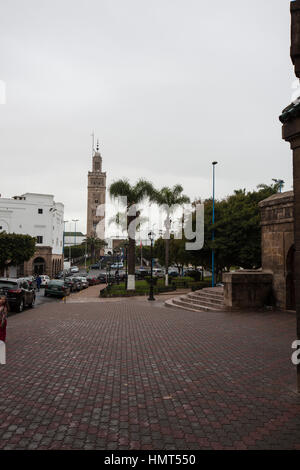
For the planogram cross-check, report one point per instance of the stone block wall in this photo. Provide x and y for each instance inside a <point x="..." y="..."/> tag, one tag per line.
<point x="277" y="224"/>
<point x="244" y="290"/>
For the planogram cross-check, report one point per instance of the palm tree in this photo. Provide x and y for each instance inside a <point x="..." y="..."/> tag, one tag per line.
<point x="169" y="198"/>
<point x="94" y="245"/>
<point x="135" y="195"/>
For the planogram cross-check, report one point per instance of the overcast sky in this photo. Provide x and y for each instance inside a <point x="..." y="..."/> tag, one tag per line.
<point x="167" y="85"/>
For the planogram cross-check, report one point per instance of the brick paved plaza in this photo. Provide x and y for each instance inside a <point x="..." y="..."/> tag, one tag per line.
<point x="135" y="375"/>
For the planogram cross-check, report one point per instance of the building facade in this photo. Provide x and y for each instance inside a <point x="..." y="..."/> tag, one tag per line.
<point x="72" y="238"/>
<point x="39" y="216"/>
<point x="96" y="198"/>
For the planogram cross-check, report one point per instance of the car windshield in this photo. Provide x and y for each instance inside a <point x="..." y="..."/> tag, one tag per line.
<point x="57" y="283"/>
<point x="8" y="284"/>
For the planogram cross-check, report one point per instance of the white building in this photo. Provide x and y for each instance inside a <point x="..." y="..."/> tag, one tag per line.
<point x="72" y="238"/>
<point x="40" y="216"/>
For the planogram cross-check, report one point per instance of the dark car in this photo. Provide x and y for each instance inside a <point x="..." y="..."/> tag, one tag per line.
<point x="95" y="266"/>
<point x="93" y="280"/>
<point x="56" y="288"/>
<point x="173" y="274"/>
<point x="18" y="292"/>
<point x="69" y="282"/>
<point x="77" y="283"/>
<point x="142" y="273"/>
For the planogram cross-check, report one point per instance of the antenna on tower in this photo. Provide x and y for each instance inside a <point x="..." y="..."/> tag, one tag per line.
<point x="93" y="142"/>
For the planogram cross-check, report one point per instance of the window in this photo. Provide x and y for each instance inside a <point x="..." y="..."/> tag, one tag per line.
<point x="96" y="201"/>
<point x="39" y="239"/>
<point x="40" y="211"/>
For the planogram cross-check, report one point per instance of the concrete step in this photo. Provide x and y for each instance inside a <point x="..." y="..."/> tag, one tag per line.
<point x="207" y="298"/>
<point x="205" y="302"/>
<point x="195" y="307"/>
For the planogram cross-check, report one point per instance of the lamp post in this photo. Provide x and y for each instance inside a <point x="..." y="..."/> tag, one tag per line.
<point x="213" y="230"/>
<point x="65" y="222"/>
<point x="126" y="262"/>
<point x="280" y="182"/>
<point x="151" y="238"/>
<point x="75" y="220"/>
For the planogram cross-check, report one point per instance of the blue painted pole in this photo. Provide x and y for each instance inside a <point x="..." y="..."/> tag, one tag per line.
<point x="213" y="231"/>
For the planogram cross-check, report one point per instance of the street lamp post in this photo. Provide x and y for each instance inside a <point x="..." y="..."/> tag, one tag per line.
<point x="151" y="237"/>
<point x="126" y="263"/>
<point x="213" y="230"/>
<point x="65" y="221"/>
<point x="75" y="220"/>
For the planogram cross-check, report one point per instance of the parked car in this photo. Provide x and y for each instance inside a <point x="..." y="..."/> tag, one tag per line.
<point x="31" y="281"/>
<point x="101" y="279"/>
<point x="74" y="269"/>
<point x="93" y="280"/>
<point x="117" y="265"/>
<point x="83" y="281"/>
<point x="18" y="292"/>
<point x="142" y="273"/>
<point x="71" y="284"/>
<point x="45" y="280"/>
<point x="95" y="266"/>
<point x="158" y="272"/>
<point x="173" y="273"/>
<point x="77" y="283"/>
<point x="57" y="288"/>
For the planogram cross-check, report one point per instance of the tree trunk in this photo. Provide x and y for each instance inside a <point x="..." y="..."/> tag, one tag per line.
<point x="131" y="258"/>
<point x="167" y="246"/>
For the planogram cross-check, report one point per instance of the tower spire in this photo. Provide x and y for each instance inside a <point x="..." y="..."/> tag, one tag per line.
<point x="97" y="148"/>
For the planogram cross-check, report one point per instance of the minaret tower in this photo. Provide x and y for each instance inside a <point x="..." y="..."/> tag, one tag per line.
<point x="96" y="198"/>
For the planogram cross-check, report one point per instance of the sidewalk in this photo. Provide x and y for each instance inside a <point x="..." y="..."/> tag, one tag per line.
<point x="136" y="375"/>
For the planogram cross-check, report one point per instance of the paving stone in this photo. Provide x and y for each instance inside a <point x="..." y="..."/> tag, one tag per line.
<point x="130" y="375"/>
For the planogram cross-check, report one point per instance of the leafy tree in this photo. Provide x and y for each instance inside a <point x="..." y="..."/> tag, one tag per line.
<point x="94" y="245"/>
<point x="237" y="230"/>
<point x="15" y="249"/>
<point x="135" y="194"/>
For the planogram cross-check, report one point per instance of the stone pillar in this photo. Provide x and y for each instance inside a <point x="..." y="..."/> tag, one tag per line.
<point x="291" y="133"/>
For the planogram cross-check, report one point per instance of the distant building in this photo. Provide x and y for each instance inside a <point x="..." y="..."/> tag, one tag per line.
<point x="72" y="238"/>
<point x="96" y="198"/>
<point x="41" y="217"/>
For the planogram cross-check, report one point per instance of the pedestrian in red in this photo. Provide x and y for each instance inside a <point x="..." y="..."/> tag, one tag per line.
<point x="3" y="318"/>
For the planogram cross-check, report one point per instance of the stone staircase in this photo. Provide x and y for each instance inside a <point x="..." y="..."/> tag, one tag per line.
<point x="210" y="299"/>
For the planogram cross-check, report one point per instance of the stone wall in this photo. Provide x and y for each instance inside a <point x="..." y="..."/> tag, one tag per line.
<point x="277" y="224"/>
<point x="247" y="289"/>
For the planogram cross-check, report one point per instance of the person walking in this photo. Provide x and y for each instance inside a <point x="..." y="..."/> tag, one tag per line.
<point x="38" y="282"/>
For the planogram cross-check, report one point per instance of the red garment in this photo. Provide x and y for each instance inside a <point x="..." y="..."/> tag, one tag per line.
<point x="3" y="331"/>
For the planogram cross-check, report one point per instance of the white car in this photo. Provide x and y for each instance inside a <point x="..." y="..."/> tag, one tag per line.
<point x="157" y="272"/>
<point x="117" y="265"/>
<point x="74" y="269"/>
<point x="45" y="280"/>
